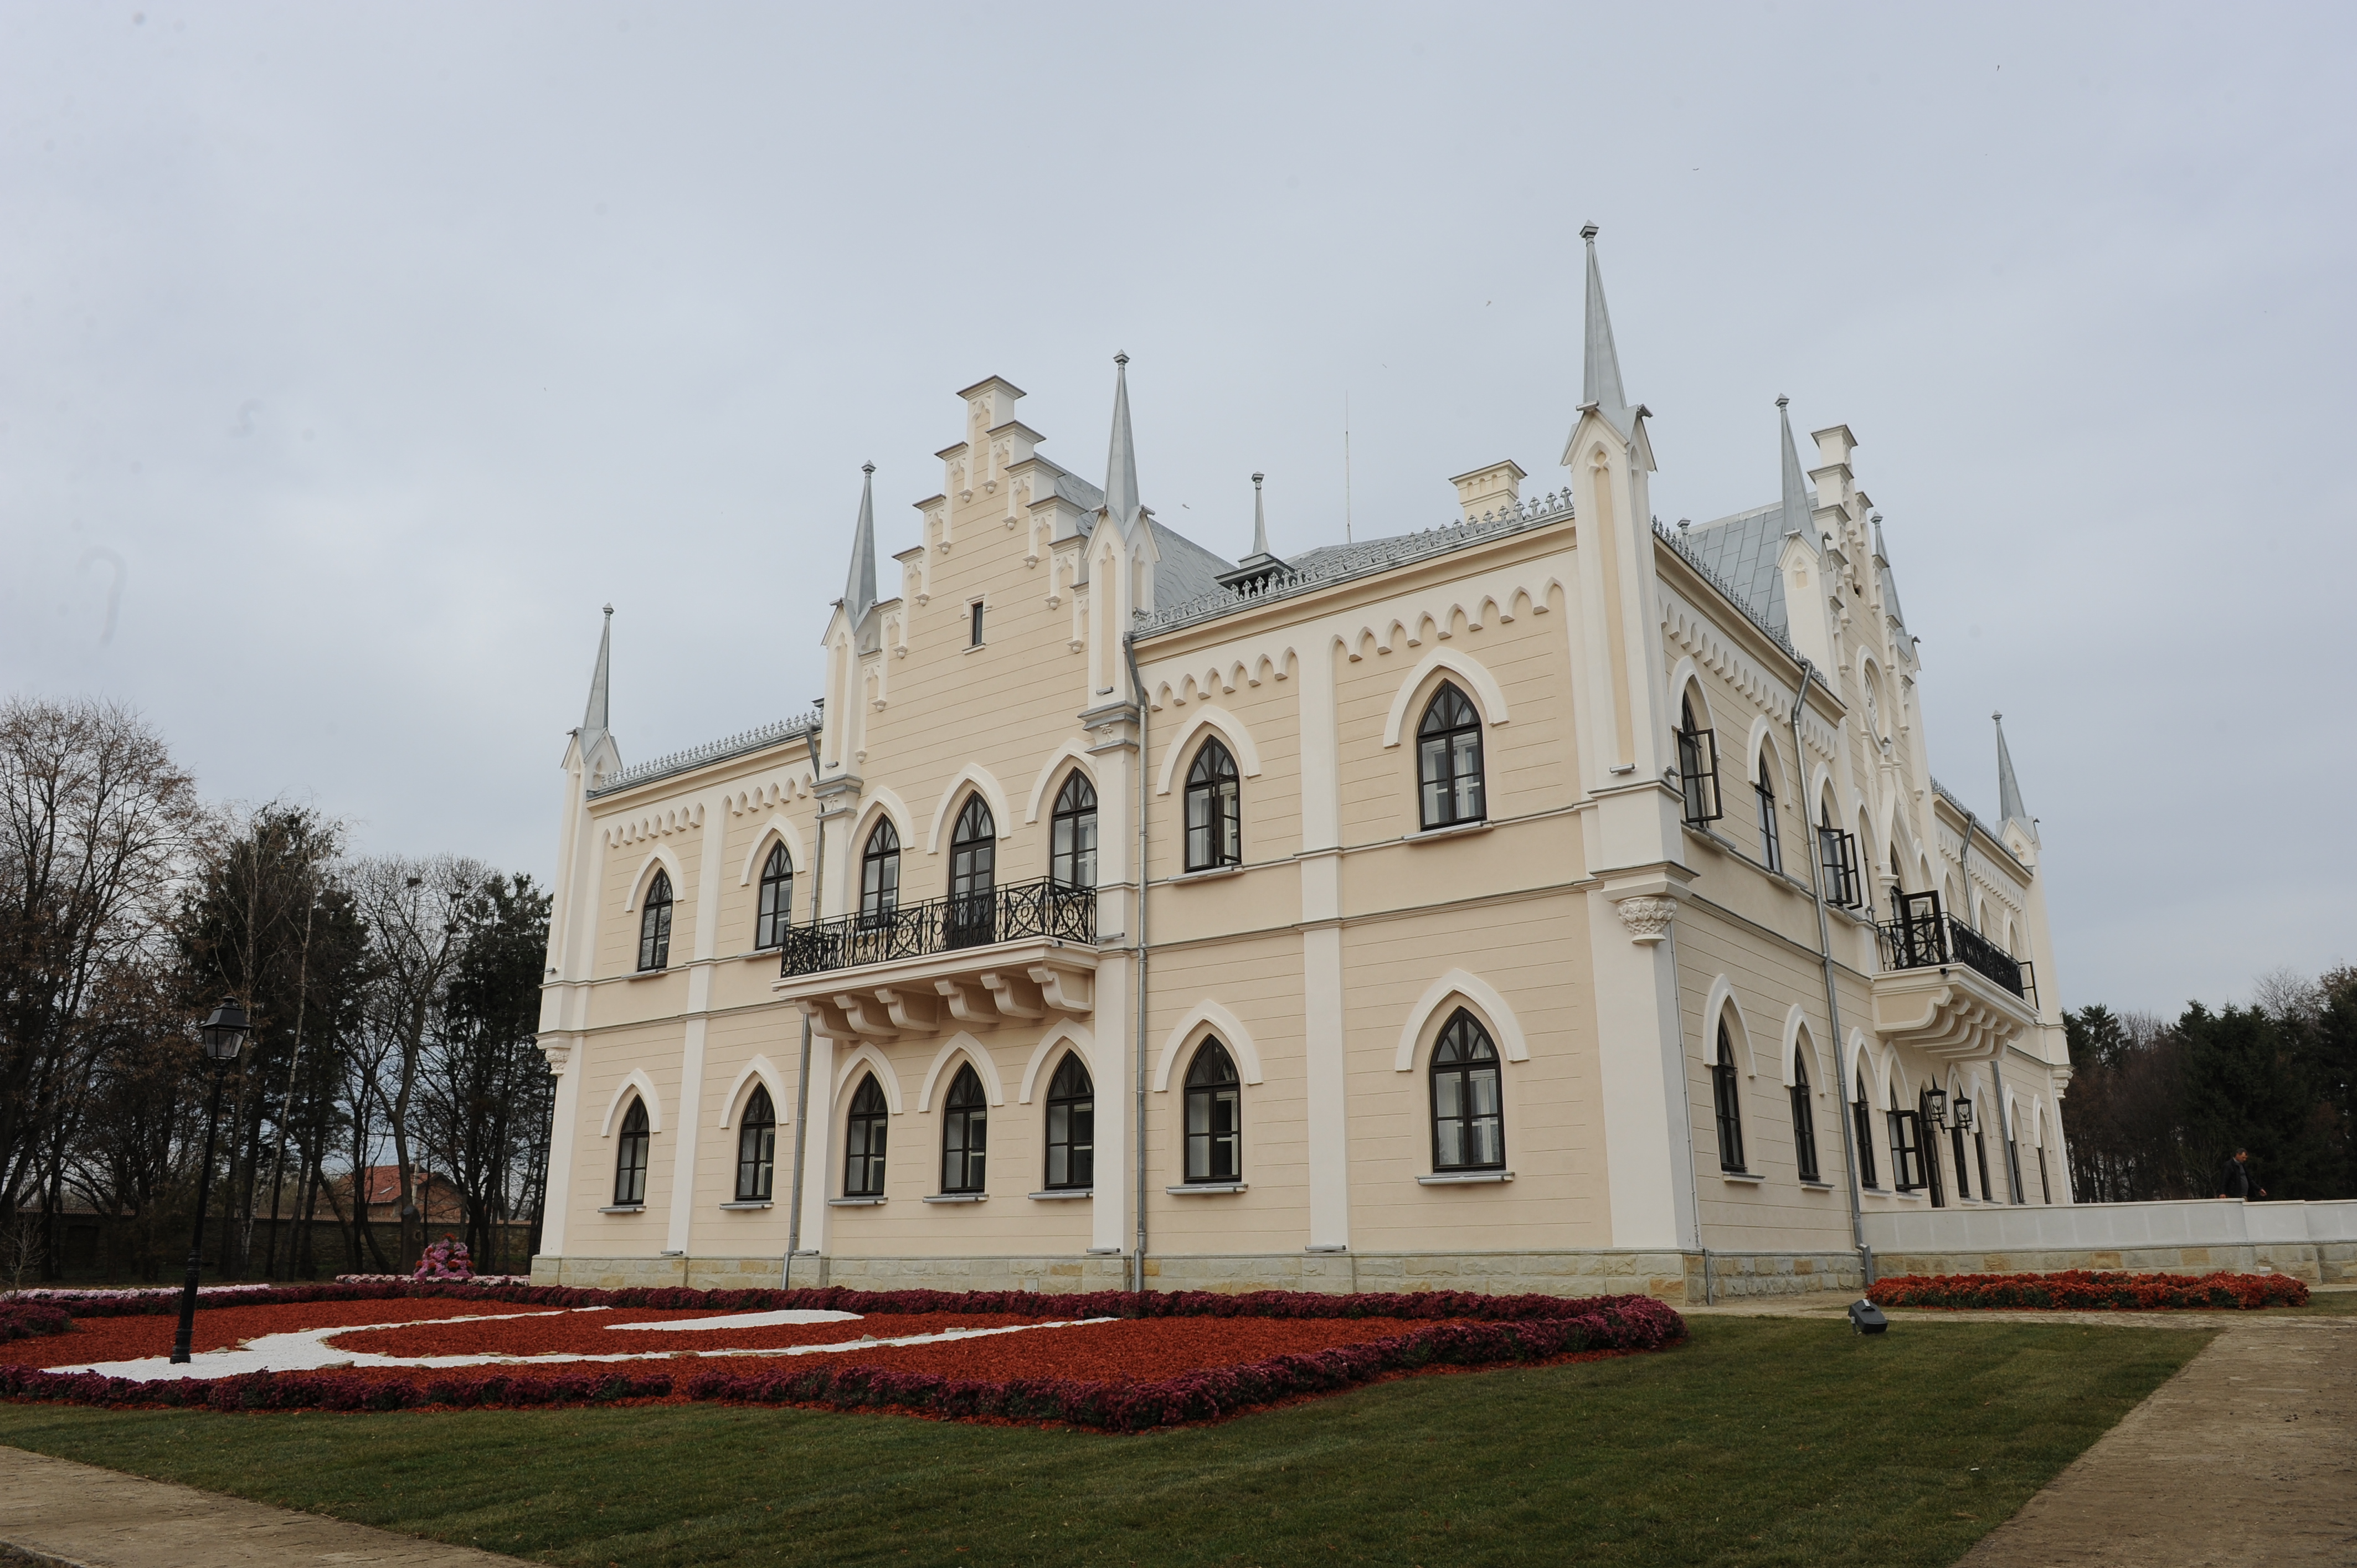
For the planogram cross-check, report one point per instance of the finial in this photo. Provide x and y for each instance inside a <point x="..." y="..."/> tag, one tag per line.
<point x="1998" y="718"/>
<point x="1588" y="232"/>
<point x="610" y="609"/>
<point x="1120" y="359"/>
<point x="866" y="467"/>
<point x="1685" y="523"/>
<point x="1782" y="400"/>
<point x="1875" y="518"/>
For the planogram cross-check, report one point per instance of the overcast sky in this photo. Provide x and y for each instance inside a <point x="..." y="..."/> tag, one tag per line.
<point x="350" y="357"/>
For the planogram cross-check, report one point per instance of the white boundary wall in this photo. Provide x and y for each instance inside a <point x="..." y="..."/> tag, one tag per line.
<point x="2315" y="1240"/>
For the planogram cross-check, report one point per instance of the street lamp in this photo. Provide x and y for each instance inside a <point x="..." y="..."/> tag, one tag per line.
<point x="222" y="1036"/>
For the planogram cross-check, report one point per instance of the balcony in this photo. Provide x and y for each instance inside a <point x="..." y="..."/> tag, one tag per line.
<point x="1946" y="989"/>
<point x="1020" y="953"/>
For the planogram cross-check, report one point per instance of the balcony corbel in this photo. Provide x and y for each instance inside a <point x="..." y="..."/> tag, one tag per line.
<point x="969" y="1002"/>
<point x="1064" y="989"/>
<point x="912" y="1012"/>
<point x="1015" y="995"/>
<point x="868" y="1016"/>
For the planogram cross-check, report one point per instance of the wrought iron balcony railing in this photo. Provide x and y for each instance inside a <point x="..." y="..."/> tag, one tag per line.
<point x="1924" y="937"/>
<point x="1044" y="907"/>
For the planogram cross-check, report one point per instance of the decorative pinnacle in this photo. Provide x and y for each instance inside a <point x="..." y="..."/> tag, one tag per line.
<point x="1782" y="400"/>
<point x="1998" y="718"/>
<point x="866" y="467"/>
<point x="1257" y="479"/>
<point x="610" y="609"/>
<point x="1588" y="232"/>
<point x="1120" y="359"/>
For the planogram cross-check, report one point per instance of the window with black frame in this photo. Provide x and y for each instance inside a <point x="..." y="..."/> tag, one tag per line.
<point x="1805" y="1119"/>
<point x="1697" y="767"/>
<point x="965" y="1133"/>
<point x="776" y="915"/>
<point x="1071" y="1127"/>
<point x="1215" y="1116"/>
<point x="630" y="1158"/>
<point x="1861" y="1114"/>
<point x="757" y="1148"/>
<point x="2045" y="1188"/>
<point x="1980" y="1162"/>
<point x="1956" y="1146"/>
<point x="1214" y="811"/>
<point x="1468" y="1118"/>
<point x="879" y="875"/>
<point x="1726" y="1101"/>
<point x="1072" y="836"/>
<point x="654" y="924"/>
<point x="1926" y="1131"/>
<point x="1448" y="761"/>
<point x="1771" y="844"/>
<point x="863" y="1141"/>
<point x="1906" y="1166"/>
<point x="973" y="866"/>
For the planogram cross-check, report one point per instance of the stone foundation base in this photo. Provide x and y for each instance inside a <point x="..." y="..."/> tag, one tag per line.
<point x="1670" y="1275"/>
<point x="2327" y="1263"/>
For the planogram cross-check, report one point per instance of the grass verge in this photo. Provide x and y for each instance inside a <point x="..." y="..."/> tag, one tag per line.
<point x="1764" y="1441"/>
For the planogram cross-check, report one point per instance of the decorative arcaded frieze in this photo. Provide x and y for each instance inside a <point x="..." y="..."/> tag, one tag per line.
<point x="1648" y="918"/>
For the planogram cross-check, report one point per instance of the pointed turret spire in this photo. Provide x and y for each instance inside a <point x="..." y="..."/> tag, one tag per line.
<point x="2009" y="808"/>
<point x="859" y="587"/>
<point x="1260" y="518"/>
<point x="1600" y="378"/>
<point x="1121" y="457"/>
<point x="1796" y="488"/>
<point x="593" y="721"/>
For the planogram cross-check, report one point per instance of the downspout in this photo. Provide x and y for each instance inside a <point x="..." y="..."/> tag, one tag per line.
<point x="1825" y="965"/>
<point x="1996" y="1066"/>
<point x="802" y="1086"/>
<point x="1137" y="1067"/>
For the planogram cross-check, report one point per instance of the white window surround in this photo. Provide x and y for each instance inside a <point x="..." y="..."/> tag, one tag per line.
<point x="1063" y="1035"/>
<point x="976" y="777"/>
<point x="1487" y="695"/>
<point x="1505" y="1029"/>
<point x="761" y="1068"/>
<point x="1182" y="745"/>
<point x="1058" y="1195"/>
<point x="659" y="856"/>
<point x="1208" y="1188"/>
<point x="637" y="1082"/>
<point x="1072" y="755"/>
<point x="985" y="1069"/>
<point x="751" y="1203"/>
<point x="1208" y="1016"/>
<point x="1721" y="1005"/>
<point x="1464" y="1178"/>
<point x="854" y="1202"/>
<point x="956" y="1197"/>
<point x="777" y="830"/>
<point x="872" y="1059"/>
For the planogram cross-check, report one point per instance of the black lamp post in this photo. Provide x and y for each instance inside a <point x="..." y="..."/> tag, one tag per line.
<point x="223" y="1035"/>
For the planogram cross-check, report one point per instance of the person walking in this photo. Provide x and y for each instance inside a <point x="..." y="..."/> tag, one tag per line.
<point x="2238" y="1181"/>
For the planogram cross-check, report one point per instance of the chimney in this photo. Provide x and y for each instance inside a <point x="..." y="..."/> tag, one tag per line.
<point x="1495" y="487"/>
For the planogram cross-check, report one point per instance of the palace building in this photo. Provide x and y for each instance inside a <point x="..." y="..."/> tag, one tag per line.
<point x="1550" y="900"/>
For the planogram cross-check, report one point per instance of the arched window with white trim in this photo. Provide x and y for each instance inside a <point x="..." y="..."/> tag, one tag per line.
<point x="965" y="1133"/>
<point x="1771" y="843"/>
<point x="1469" y="1120"/>
<point x="863" y="1141"/>
<point x="1861" y="1115"/>
<point x="1927" y="1142"/>
<point x="1449" y="787"/>
<point x="1072" y="836"/>
<point x="1214" y="810"/>
<point x="654" y="924"/>
<point x="1726" y="1101"/>
<point x="1698" y="766"/>
<point x="1071" y="1126"/>
<point x="879" y="874"/>
<point x="974" y="873"/>
<point x="776" y="915"/>
<point x="1215" y="1116"/>
<point x="757" y="1148"/>
<point x="630" y="1158"/>
<point x="1805" y="1119"/>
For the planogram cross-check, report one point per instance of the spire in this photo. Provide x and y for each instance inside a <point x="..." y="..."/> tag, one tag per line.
<point x="2009" y="808"/>
<point x="1796" y="489"/>
<point x="859" y="588"/>
<point x="1260" y="518"/>
<point x="593" y="721"/>
<point x="1600" y="381"/>
<point x="1121" y="457"/>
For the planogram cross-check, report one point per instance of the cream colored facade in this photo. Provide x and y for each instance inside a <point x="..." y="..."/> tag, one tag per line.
<point x="1599" y="939"/>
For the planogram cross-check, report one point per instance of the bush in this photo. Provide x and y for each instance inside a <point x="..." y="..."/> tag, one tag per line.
<point x="2080" y="1288"/>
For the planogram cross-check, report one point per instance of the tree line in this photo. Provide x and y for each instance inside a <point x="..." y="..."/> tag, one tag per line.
<point x="393" y="1002"/>
<point x="2156" y="1108"/>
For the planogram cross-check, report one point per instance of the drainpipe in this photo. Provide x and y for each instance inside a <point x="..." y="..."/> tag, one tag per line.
<point x="801" y="1089"/>
<point x="1826" y="964"/>
<point x="1137" y="1067"/>
<point x="1997" y="1068"/>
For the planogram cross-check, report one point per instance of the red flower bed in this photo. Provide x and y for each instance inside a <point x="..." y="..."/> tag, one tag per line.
<point x="2079" y="1288"/>
<point x="1166" y="1359"/>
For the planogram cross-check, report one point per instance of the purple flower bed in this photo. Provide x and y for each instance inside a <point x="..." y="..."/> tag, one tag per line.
<point x="27" y="1319"/>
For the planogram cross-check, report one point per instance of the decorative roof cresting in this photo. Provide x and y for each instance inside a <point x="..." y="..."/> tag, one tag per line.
<point x="710" y="751"/>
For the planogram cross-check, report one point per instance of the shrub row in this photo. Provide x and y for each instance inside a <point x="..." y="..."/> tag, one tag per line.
<point x="2082" y="1288"/>
<point x="24" y="1320"/>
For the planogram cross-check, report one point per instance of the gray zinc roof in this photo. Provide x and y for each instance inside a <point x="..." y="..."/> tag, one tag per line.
<point x="1741" y="551"/>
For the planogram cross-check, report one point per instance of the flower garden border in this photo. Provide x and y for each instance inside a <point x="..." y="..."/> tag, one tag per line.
<point x="2084" y="1289"/>
<point x="1456" y="1329"/>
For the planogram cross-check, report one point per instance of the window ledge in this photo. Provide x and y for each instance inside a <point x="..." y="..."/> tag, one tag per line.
<point x="1463" y="1178"/>
<point x="1060" y="1193"/>
<point x="1910" y="1197"/>
<point x="751" y="1203"/>
<point x="1207" y="1188"/>
<point x="624" y="1209"/>
<point x="853" y="1202"/>
<point x="956" y="1197"/>
<point x="760" y="954"/>
<point x="1745" y="1177"/>
<point x="1209" y="874"/>
<point x="1453" y="831"/>
<point x="1818" y="1185"/>
<point x="648" y="973"/>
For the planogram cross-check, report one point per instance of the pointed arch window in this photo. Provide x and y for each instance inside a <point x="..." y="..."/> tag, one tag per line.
<point x="1906" y="1151"/>
<point x="1072" y="841"/>
<point x="974" y="868"/>
<point x="654" y="924"/>
<point x="1468" y="1124"/>
<point x="1771" y="844"/>
<point x="1956" y="1146"/>
<point x="1726" y="1101"/>
<point x="1071" y="1127"/>
<point x="1838" y="859"/>
<point x="777" y="905"/>
<point x="630" y="1158"/>
<point x="965" y="1133"/>
<point x="1980" y="1162"/>
<point x="879" y="875"/>
<point x="1697" y="767"/>
<point x="1448" y="761"/>
<point x="863" y="1141"/>
<point x="1861" y="1115"/>
<point x="1215" y="812"/>
<point x="757" y="1148"/>
<point x="1215" y="1116"/>
<point x="1804" y="1118"/>
<point x="1927" y="1144"/>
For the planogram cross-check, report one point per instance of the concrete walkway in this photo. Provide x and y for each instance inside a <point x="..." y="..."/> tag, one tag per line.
<point x="56" y="1511"/>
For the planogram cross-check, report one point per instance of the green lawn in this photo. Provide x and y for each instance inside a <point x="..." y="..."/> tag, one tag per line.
<point x="1764" y="1441"/>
